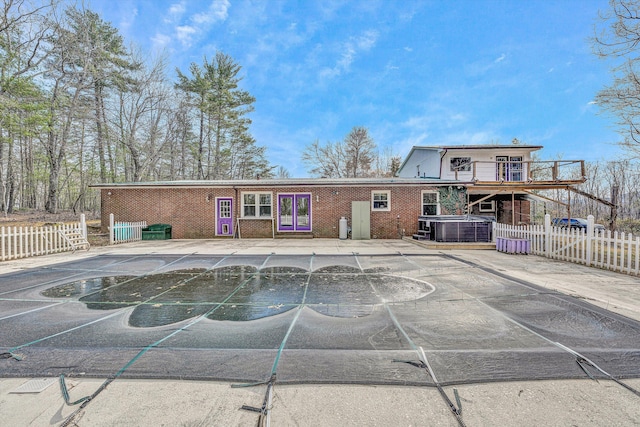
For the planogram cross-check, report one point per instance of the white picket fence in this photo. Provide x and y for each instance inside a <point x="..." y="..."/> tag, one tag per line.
<point x="604" y="249"/>
<point x="123" y="232"/>
<point x="23" y="242"/>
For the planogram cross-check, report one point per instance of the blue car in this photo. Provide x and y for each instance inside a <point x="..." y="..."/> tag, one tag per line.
<point x="578" y="223"/>
<point x="575" y="222"/>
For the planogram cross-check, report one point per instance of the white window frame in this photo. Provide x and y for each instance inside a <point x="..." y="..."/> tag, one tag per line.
<point x="437" y="193"/>
<point x="373" y="200"/>
<point x="257" y="205"/>
<point x="487" y="206"/>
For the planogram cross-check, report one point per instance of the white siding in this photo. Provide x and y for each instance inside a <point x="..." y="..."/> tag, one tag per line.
<point x="486" y="169"/>
<point x="425" y="161"/>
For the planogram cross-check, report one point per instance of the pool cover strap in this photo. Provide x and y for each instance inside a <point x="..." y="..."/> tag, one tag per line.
<point x="583" y="362"/>
<point x="10" y="355"/>
<point x="65" y="393"/>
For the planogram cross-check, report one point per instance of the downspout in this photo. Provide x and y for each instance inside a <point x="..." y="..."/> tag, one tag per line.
<point x="236" y="213"/>
<point x="444" y="153"/>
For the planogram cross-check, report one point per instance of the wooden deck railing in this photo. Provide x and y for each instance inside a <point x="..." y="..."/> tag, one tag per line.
<point x="523" y="171"/>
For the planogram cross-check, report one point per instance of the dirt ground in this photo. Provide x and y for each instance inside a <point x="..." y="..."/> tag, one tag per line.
<point x="38" y="218"/>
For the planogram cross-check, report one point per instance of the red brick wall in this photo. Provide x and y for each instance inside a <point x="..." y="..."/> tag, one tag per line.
<point x="191" y="211"/>
<point x="522" y="212"/>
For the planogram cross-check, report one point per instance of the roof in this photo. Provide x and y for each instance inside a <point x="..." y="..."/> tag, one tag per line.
<point x="293" y="182"/>
<point x="468" y="147"/>
<point x="480" y="146"/>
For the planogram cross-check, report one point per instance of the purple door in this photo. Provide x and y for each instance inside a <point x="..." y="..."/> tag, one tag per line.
<point x="224" y="217"/>
<point x="294" y="212"/>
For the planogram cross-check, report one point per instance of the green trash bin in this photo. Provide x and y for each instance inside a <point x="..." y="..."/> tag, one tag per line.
<point x="157" y="232"/>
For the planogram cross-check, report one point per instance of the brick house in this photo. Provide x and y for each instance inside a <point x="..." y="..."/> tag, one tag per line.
<point x="492" y="181"/>
<point x="387" y="208"/>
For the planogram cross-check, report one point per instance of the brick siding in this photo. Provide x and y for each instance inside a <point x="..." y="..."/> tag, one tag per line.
<point x="191" y="210"/>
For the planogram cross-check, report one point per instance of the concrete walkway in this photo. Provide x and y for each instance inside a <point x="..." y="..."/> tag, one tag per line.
<point x="188" y="403"/>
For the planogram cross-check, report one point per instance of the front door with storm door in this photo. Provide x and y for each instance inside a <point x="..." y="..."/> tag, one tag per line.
<point x="294" y="212"/>
<point x="224" y="216"/>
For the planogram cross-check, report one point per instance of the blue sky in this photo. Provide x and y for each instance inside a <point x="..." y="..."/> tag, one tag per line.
<point x="412" y="72"/>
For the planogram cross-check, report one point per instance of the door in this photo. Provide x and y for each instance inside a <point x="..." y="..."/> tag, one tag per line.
<point x="360" y="220"/>
<point x="224" y="216"/>
<point x="294" y="212"/>
<point x="502" y="166"/>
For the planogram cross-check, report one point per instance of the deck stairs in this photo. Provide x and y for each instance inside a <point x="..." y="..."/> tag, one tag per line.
<point x="75" y="238"/>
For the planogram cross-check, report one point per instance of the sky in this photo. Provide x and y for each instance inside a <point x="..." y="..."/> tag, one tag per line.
<point x="412" y="72"/>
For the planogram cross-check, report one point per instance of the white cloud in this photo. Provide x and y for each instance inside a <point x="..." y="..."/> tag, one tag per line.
<point x="587" y="107"/>
<point x="184" y="34"/>
<point x="128" y="19"/>
<point x="500" y="58"/>
<point x="218" y="11"/>
<point x="367" y="40"/>
<point x="175" y="12"/>
<point x="160" y="41"/>
<point x="350" y="50"/>
<point x="177" y="9"/>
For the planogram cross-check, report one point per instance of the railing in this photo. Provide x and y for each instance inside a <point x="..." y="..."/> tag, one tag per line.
<point x="604" y="249"/>
<point x="522" y="171"/>
<point x="123" y="232"/>
<point x="23" y="242"/>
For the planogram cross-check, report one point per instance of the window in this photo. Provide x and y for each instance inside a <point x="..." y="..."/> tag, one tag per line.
<point x="516" y="168"/>
<point x="461" y="164"/>
<point x="509" y="168"/>
<point x="489" y="206"/>
<point x="430" y="203"/>
<point x="380" y="201"/>
<point x="256" y="205"/>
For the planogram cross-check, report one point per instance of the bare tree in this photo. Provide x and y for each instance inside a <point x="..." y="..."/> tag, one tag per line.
<point x="354" y="157"/>
<point x="282" y="173"/>
<point x="359" y="149"/>
<point x="325" y="161"/>
<point x="617" y="38"/>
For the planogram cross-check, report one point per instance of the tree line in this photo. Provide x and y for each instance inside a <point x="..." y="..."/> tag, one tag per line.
<point x="77" y="107"/>
<point x="611" y="181"/>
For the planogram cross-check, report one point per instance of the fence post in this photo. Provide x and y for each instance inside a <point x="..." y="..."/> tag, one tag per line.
<point x="590" y="235"/>
<point x="83" y="226"/>
<point x="547" y="235"/>
<point x="111" y="229"/>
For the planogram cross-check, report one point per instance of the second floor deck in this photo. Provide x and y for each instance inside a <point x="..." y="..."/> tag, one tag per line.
<point x="533" y="173"/>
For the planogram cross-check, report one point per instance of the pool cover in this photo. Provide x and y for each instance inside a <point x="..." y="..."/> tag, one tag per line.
<point x="307" y="319"/>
